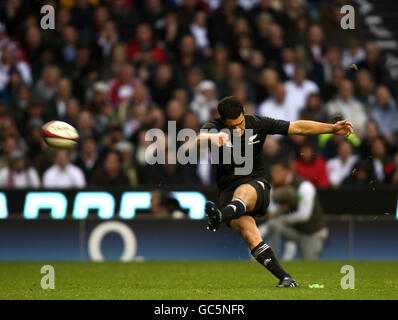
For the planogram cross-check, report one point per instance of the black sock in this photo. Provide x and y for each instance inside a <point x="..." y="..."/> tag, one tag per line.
<point x="235" y="209"/>
<point x="265" y="256"/>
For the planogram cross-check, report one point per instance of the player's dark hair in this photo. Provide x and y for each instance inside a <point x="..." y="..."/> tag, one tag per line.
<point x="230" y="108"/>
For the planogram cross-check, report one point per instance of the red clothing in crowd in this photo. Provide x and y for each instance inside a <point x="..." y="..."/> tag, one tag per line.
<point x="314" y="171"/>
<point x="134" y="48"/>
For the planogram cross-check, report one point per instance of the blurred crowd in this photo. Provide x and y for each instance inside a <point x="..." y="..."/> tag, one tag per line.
<point x="117" y="68"/>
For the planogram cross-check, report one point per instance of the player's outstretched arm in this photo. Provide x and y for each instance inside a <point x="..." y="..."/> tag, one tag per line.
<point x="306" y="127"/>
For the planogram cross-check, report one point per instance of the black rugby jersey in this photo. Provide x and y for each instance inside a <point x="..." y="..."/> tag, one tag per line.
<point x="261" y="126"/>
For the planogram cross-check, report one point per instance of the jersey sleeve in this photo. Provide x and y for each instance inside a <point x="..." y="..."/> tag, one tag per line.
<point x="273" y="126"/>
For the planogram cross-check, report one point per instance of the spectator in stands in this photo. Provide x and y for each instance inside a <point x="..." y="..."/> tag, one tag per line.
<point x="254" y="68"/>
<point x="125" y="16"/>
<point x="140" y="98"/>
<point x="330" y="89"/>
<point x="118" y="59"/>
<point x="136" y="117"/>
<point x="97" y="98"/>
<point x="274" y="45"/>
<point x="362" y="175"/>
<point x="235" y="75"/>
<point x="382" y="165"/>
<point x="153" y="12"/>
<point x="218" y="65"/>
<point x="187" y="57"/>
<point x="83" y="71"/>
<point x="19" y="105"/>
<point x="10" y="64"/>
<point x="175" y="112"/>
<point x="385" y="113"/>
<point x="126" y="150"/>
<point x="316" y="43"/>
<point x="353" y="54"/>
<point x="144" y="40"/>
<point x="310" y="166"/>
<point x="266" y="85"/>
<point x="271" y="152"/>
<point x="89" y="159"/>
<point x="47" y="86"/>
<point x="111" y="174"/>
<point x="123" y="87"/>
<point x="371" y="133"/>
<point x="108" y="38"/>
<point x="162" y="84"/>
<point x="374" y="64"/>
<point x="289" y="61"/>
<point x="57" y="105"/>
<point x="314" y="109"/>
<point x="347" y="107"/>
<point x="205" y="100"/>
<point x="72" y="112"/>
<point x="100" y="18"/>
<point x="394" y="175"/>
<point x="17" y="174"/>
<point x="63" y="174"/>
<point x="365" y="89"/>
<point x="193" y="78"/>
<point x="278" y="106"/>
<point x="198" y="29"/>
<point x="9" y="144"/>
<point x="69" y="44"/>
<point x="340" y="167"/>
<point x="33" y="45"/>
<point x="298" y="89"/>
<point x="241" y="92"/>
<point x="85" y="125"/>
<point x="331" y="61"/>
<point x="169" y="174"/>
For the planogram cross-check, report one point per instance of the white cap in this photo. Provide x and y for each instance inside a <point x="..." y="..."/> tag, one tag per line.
<point x="206" y="85"/>
<point x="124" y="146"/>
<point x="100" y="86"/>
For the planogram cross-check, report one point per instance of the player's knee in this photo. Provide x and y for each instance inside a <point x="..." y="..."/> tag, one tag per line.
<point x="244" y="193"/>
<point x="247" y="196"/>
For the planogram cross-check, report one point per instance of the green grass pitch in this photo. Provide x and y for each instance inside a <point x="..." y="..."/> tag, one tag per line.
<point x="196" y="280"/>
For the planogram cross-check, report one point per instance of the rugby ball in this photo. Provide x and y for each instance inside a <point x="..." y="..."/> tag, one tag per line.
<point x="60" y="135"/>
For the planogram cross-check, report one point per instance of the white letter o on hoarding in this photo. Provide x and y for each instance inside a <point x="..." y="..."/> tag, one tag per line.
<point x="96" y="236"/>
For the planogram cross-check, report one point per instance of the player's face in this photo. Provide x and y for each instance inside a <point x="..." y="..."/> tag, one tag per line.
<point x="236" y="126"/>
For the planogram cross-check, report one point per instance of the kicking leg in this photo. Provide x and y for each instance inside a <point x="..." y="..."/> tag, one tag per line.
<point x="243" y="200"/>
<point x="246" y="227"/>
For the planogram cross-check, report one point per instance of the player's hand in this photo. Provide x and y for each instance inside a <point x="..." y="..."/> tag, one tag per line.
<point x="219" y="139"/>
<point x="343" y="127"/>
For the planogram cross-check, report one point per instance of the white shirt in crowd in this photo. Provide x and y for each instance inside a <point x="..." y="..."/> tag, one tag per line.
<point x="379" y="169"/>
<point x="23" y="69"/>
<point x="69" y="177"/>
<point x="28" y="178"/>
<point x="348" y="109"/>
<point x="281" y="111"/>
<point x="298" y="94"/>
<point x="339" y="170"/>
<point x="200" y="35"/>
